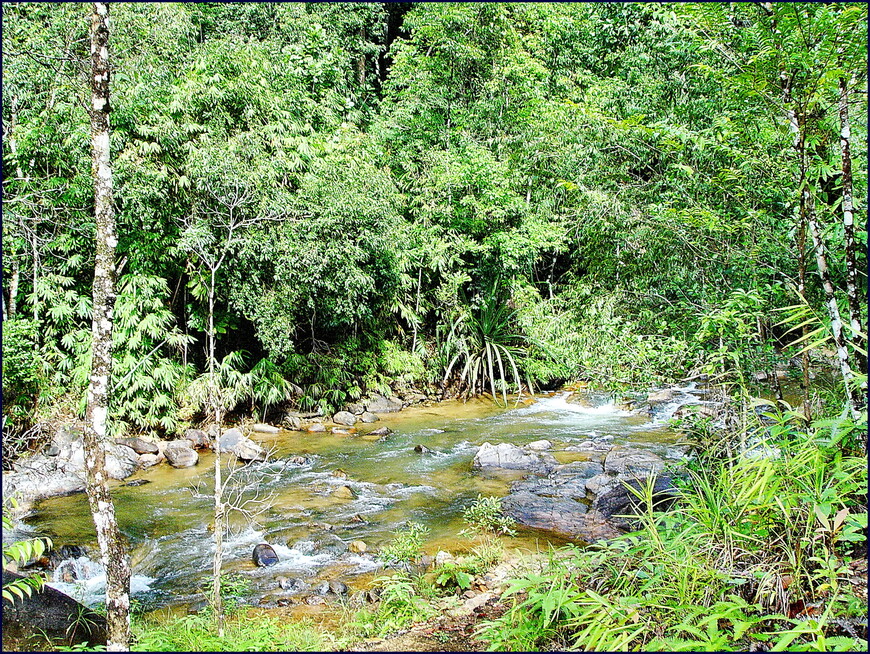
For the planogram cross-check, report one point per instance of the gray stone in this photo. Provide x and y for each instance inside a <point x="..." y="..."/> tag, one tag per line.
<point x="422" y="449"/>
<point x="179" y="442"/>
<point x="616" y="501"/>
<point x="121" y="461"/>
<point x="631" y="461"/>
<point x="355" y="408"/>
<point x="292" y="584"/>
<point x="539" y="446"/>
<point x="139" y="445"/>
<point x="181" y="456"/>
<point x="264" y="429"/>
<point x="292" y="422"/>
<point x="337" y="587"/>
<point x="511" y="457"/>
<point x="198" y="438"/>
<point x="568" y="481"/>
<point x="381" y="431"/>
<point x="264" y="555"/>
<point x="380" y="404"/>
<point x="149" y="460"/>
<point x="234" y="442"/>
<point x="344" y="418"/>
<point x="368" y="417"/>
<point x="598" y="483"/>
<point x="563" y="517"/>
<point x="661" y="397"/>
<point x="316" y="427"/>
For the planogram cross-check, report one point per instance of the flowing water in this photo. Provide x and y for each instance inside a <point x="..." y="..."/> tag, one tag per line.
<point x="168" y="520"/>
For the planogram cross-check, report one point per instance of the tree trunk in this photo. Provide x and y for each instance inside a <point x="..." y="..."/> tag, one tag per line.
<point x="9" y="311"/>
<point x="848" y="219"/>
<point x="853" y="396"/>
<point x="102" y="508"/>
<point x="13" y="289"/>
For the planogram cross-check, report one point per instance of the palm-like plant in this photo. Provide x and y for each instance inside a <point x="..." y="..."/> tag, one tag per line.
<point x="486" y="347"/>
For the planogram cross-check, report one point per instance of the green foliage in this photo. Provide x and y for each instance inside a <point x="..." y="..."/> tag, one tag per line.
<point x="21" y="552"/>
<point x="750" y="541"/>
<point x="483" y="342"/>
<point x="452" y="575"/>
<point x="23" y="377"/>
<point x="406" y="544"/>
<point x="400" y="605"/>
<point x="484" y="517"/>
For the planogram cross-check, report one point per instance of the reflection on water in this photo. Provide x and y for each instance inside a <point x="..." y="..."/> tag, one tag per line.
<point x="168" y="520"/>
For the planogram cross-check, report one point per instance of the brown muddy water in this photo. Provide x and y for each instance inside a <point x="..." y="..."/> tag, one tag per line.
<point x="168" y="519"/>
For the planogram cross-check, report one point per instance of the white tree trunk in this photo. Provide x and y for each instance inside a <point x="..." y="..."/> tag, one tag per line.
<point x="112" y="548"/>
<point x="849" y="212"/>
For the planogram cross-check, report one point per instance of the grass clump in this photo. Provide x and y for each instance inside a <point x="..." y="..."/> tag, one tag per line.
<point x="242" y="633"/>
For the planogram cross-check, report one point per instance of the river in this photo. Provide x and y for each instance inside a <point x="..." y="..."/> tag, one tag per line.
<point x="167" y="520"/>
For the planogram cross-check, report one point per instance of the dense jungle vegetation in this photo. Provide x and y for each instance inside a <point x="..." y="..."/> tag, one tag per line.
<point x="607" y="191"/>
<point x="459" y="198"/>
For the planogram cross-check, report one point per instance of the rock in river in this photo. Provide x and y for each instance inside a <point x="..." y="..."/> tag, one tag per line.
<point x="660" y="397"/>
<point x="345" y="418"/>
<point x="563" y="517"/>
<point x="617" y="501"/>
<point x="264" y="555"/>
<point x="198" y="438"/>
<point x="181" y="456"/>
<point x="234" y="442"/>
<point x="381" y="404"/>
<point x="139" y="445"/>
<point x="625" y="460"/>
<point x="511" y="457"/>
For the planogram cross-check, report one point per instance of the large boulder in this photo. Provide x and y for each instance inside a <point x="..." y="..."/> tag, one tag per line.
<point x="345" y="418"/>
<point x="262" y="428"/>
<point x="181" y="456"/>
<point x="511" y="457"/>
<point x="564" y="518"/>
<point x="234" y="442"/>
<point x="139" y="445"/>
<point x="380" y="404"/>
<point x="198" y="438"/>
<point x="368" y="416"/>
<point x="629" y="461"/>
<point x="568" y="481"/>
<point x="292" y="422"/>
<point x="49" y="613"/>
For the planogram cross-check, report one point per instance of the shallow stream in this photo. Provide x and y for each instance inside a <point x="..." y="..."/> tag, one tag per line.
<point x="167" y="520"/>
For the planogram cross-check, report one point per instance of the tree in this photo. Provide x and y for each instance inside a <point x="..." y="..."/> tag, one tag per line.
<point x="112" y="548"/>
<point x="226" y="207"/>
